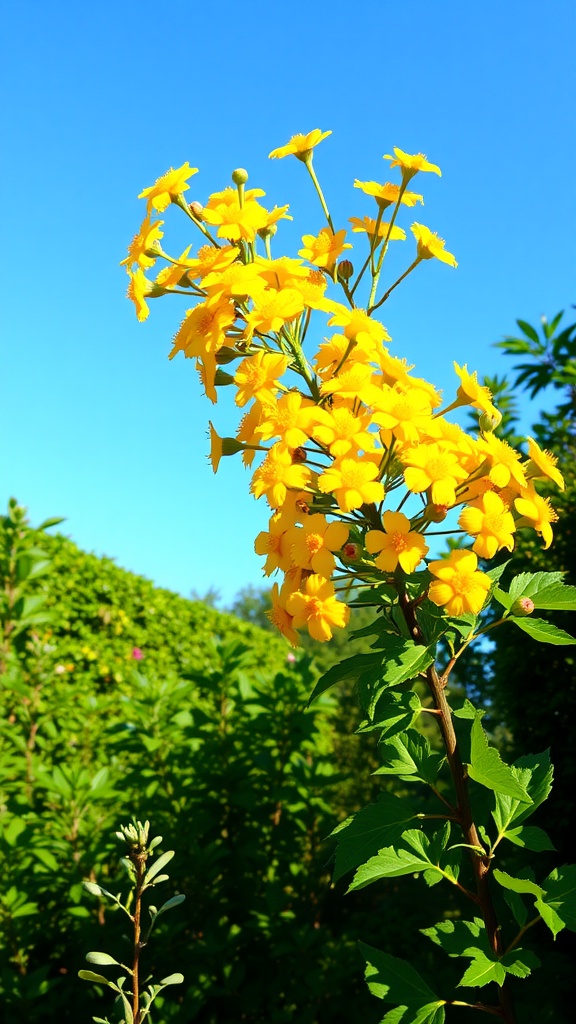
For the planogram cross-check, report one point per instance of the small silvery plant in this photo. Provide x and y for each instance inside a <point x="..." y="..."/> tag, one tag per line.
<point x="135" y="994"/>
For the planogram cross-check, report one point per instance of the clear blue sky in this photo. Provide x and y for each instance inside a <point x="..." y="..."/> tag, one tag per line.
<point x="100" y="99"/>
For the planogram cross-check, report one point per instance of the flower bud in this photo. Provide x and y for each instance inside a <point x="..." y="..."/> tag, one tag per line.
<point x="239" y="176"/>
<point x="351" y="552"/>
<point x="523" y="606"/>
<point x="435" y="513"/>
<point x="196" y="209"/>
<point x="345" y="270"/>
<point x="489" y="423"/>
<point x="298" y="456"/>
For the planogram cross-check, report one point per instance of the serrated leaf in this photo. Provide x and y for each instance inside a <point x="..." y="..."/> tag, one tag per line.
<point x="560" y="896"/>
<point x="542" y="630"/>
<point x="393" y="713"/>
<point x="350" y="668"/>
<point x="376" y="826"/>
<point x="430" y="1013"/>
<point x="517" y="906"/>
<point x="394" y="980"/>
<point x="456" y="936"/>
<point x="409" y="756"/>
<point x="520" y="962"/>
<point x="481" y="971"/>
<point x="535" y="773"/>
<point x="487" y="767"/>
<point x="517" y="884"/>
<point x="417" y="854"/>
<point x="530" y="837"/>
<point x="530" y="584"/>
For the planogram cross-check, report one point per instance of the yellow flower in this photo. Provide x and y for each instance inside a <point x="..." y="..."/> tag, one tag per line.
<point x="429" y="466"/>
<point x="358" y="326"/>
<point x="387" y="194"/>
<point x="174" y="272"/>
<point x="247" y="431"/>
<point x="352" y="382"/>
<point x="368" y="225"/>
<point x="300" y="146"/>
<point x="470" y="392"/>
<point x="317" y="608"/>
<point x="273" y="309"/>
<point x="236" y="281"/>
<point x="491" y="522"/>
<point x="341" y="431"/>
<point x="168" y="187"/>
<point x="410" y="165"/>
<point x="324" y="248"/>
<point x="142" y="244"/>
<point x="275" y="544"/>
<point x="279" y="617"/>
<point x="313" y="544"/>
<point x="542" y="464"/>
<point x="353" y="483"/>
<point x="203" y="329"/>
<point x="429" y="245"/>
<point x="257" y="375"/>
<point x="311" y="287"/>
<point x="537" y="512"/>
<point x="138" y="288"/>
<point x="459" y="587"/>
<point x="398" y="545"/>
<point x="406" y="412"/>
<point x="235" y="220"/>
<point x="289" y="419"/>
<point x="221" y="446"/>
<point x="503" y="462"/>
<point x="276" y="474"/>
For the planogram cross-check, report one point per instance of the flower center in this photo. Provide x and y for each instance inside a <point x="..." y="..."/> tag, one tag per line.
<point x="314" y="542"/>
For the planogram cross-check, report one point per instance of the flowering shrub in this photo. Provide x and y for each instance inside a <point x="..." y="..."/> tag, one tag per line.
<point x="359" y="462"/>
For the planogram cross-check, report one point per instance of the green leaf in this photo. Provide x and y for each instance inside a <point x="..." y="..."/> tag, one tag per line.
<point x="175" y="901"/>
<point x="417" y="854"/>
<point x="101" y="958"/>
<point x="560" y="898"/>
<point x="430" y="1013"/>
<point x="157" y="866"/>
<point x="488" y="768"/>
<point x="98" y="979"/>
<point x="454" y="937"/>
<point x="530" y="837"/>
<point x="376" y="826"/>
<point x="394" y="980"/>
<point x="517" y="884"/>
<point x="517" y="906"/>
<point x="350" y="668"/>
<point x="172" y="979"/>
<point x="541" y="630"/>
<point x="409" y="756"/>
<point x="393" y="713"/>
<point x="535" y="773"/>
<point x="520" y="962"/>
<point x="482" y="970"/>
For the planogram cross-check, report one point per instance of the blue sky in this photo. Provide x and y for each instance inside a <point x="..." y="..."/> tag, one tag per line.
<point x="99" y="100"/>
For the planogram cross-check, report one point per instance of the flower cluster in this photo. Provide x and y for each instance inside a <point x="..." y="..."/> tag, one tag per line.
<point x="356" y="457"/>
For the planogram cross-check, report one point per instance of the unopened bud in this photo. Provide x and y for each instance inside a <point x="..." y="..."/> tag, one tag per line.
<point x="345" y="270"/>
<point x="523" y="606"/>
<point x="226" y="355"/>
<point x="351" y="552"/>
<point x="298" y="456"/>
<point x="436" y="513"/>
<point x="196" y="209"/>
<point x="239" y="176"/>
<point x="489" y="423"/>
